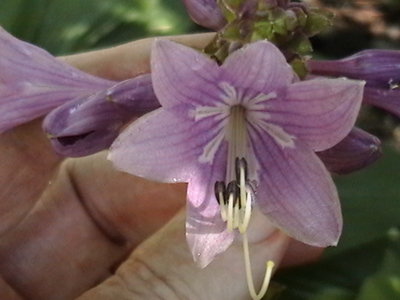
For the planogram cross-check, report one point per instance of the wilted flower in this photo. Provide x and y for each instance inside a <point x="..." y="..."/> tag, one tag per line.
<point x="379" y="68"/>
<point x="242" y="134"/>
<point x="33" y="82"/>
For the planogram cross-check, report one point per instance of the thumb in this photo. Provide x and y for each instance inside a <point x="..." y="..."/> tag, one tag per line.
<point x="162" y="267"/>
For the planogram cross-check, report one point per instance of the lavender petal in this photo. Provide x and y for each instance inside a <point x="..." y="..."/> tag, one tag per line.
<point x="260" y="66"/>
<point x="296" y="192"/>
<point x="164" y="145"/>
<point x="320" y="112"/>
<point x="183" y="75"/>
<point x="33" y="82"/>
<point x="206" y="233"/>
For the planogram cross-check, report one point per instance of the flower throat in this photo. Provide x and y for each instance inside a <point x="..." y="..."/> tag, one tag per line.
<point x="236" y="197"/>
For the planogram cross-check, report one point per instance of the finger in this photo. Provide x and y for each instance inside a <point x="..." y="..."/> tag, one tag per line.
<point x="6" y="292"/>
<point x="27" y="162"/>
<point x="25" y="151"/>
<point x="128" y="60"/>
<point x="86" y="222"/>
<point x="163" y="268"/>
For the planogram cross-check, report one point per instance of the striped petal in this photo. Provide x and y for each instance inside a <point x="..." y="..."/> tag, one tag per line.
<point x="206" y="233"/>
<point x="319" y="112"/>
<point x="164" y="145"/>
<point x="296" y="192"/>
<point x="33" y="82"/>
<point x="183" y="75"/>
<point x="260" y="66"/>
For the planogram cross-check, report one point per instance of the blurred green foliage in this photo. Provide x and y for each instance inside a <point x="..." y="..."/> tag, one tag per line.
<point x="365" y="265"/>
<point x="66" y="26"/>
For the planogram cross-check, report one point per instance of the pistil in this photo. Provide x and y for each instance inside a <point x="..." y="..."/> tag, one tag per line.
<point x="236" y="135"/>
<point x="235" y="202"/>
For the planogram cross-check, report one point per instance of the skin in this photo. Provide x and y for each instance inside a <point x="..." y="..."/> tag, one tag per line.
<point x="79" y="229"/>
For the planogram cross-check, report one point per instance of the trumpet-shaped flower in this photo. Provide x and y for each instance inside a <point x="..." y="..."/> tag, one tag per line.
<point x="244" y="135"/>
<point x="33" y="82"/>
<point x="379" y="68"/>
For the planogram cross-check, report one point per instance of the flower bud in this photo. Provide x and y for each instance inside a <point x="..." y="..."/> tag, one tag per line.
<point x="356" y="151"/>
<point x="205" y="13"/>
<point x="380" y="69"/>
<point x="88" y="125"/>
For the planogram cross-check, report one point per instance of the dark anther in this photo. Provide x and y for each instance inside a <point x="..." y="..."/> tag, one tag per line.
<point x="233" y="191"/>
<point x="219" y="189"/>
<point x="240" y="163"/>
<point x="72" y="139"/>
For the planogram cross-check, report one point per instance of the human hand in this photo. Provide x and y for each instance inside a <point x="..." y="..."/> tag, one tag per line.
<point x="77" y="228"/>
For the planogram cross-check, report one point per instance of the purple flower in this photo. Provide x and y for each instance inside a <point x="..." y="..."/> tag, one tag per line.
<point x="205" y="13"/>
<point x="379" y="68"/>
<point x="356" y="151"/>
<point x="33" y="82"/>
<point x="245" y="130"/>
<point x="91" y="124"/>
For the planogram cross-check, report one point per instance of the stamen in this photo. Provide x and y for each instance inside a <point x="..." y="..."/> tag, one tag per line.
<point x="236" y="198"/>
<point x="247" y="213"/>
<point x="220" y="195"/>
<point x="232" y="192"/>
<point x="236" y="213"/>
<point x="219" y="189"/>
<point x="230" y="213"/>
<point x="249" y="276"/>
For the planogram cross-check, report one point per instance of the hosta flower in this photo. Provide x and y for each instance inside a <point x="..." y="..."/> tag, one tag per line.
<point x="205" y="13"/>
<point x="379" y="68"/>
<point x="91" y="124"/>
<point x="243" y="135"/>
<point x="356" y="151"/>
<point x="33" y="82"/>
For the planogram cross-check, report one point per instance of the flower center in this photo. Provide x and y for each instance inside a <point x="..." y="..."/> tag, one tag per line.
<point x="235" y="199"/>
<point x="236" y="135"/>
